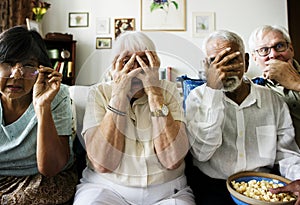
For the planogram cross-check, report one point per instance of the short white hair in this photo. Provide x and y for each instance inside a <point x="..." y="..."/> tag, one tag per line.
<point x="258" y="32"/>
<point x="132" y="41"/>
<point x="226" y="36"/>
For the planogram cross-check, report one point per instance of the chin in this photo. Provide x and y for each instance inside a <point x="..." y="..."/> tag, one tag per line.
<point x="231" y="84"/>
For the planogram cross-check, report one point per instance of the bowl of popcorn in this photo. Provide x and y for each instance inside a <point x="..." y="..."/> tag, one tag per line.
<point x="253" y="188"/>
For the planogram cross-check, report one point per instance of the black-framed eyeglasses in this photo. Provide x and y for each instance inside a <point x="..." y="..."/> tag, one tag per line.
<point x="278" y="47"/>
<point x="27" y="72"/>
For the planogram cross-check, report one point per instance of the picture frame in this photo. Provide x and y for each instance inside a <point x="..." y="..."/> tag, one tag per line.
<point x="102" y="25"/>
<point x="123" y="24"/>
<point x="78" y="19"/>
<point x="34" y="25"/>
<point x="203" y="23"/>
<point x="167" y="15"/>
<point x="103" y="42"/>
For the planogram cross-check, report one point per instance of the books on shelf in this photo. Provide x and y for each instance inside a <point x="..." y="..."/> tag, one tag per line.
<point x="166" y="73"/>
<point x="64" y="67"/>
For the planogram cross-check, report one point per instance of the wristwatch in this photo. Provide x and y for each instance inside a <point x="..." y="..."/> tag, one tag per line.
<point x="162" y="112"/>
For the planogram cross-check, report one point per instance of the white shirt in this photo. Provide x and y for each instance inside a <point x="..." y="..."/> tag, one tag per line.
<point x="227" y="138"/>
<point x="140" y="166"/>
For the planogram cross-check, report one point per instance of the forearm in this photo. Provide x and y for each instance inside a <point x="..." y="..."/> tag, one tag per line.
<point x="205" y="115"/>
<point x="53" y="151"/>
<point x="105" y="140"/>
<point x="170" y="141"/>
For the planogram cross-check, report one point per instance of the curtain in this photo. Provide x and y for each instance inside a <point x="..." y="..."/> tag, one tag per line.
<point x="14" y="12"/>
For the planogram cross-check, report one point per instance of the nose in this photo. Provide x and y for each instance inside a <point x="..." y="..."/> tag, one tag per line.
<point x="273" y="53"/>
<point x="16" y="73"/>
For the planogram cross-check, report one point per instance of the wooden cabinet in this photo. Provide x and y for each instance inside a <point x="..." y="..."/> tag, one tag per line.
<point x="62" y="52"/>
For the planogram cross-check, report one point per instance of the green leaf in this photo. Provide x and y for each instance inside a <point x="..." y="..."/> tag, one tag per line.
<point x="155" y="6"/>
<point x="175" y="4"/>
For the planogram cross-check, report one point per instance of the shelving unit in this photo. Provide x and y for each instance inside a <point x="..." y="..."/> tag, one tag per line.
<point x="56" y="43"/>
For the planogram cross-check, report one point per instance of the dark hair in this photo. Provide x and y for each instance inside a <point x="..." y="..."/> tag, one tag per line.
<point x="18" y="44"/>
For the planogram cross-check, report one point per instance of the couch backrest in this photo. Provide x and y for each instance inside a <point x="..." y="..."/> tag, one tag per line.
<point x="79" y="94"/>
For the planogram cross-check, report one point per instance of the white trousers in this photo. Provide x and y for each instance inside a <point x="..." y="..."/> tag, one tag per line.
<point x="175" y="192"/>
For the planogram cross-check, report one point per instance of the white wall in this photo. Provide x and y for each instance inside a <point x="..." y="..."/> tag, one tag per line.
<point x="240" y="16"/>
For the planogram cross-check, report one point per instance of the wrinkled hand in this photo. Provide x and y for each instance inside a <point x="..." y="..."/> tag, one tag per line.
<point x="46" y="86"/>
<point x="293" y="187"/>
<point x="282" y="72"/>
<point x="123" y="74"/>
<point x="150" y="74"/>
<point x="220" y="69"/>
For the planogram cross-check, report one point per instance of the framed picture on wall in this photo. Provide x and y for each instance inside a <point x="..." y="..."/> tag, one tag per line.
<point x="102" y="25"/>
<point x="124" y="24"/>
<point x="168" y="15"/>
<point x="78" y="19"/>
<point x="103" y="42"/>
<point x="203" y="23"/>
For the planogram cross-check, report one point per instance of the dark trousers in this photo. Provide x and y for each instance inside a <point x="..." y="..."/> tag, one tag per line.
<point x="207" y="191"/>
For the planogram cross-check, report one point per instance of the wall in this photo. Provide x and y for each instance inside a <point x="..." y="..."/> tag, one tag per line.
<point x="240" y="16"/>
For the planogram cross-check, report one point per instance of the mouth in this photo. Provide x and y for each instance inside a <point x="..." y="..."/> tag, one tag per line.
<point x="135" y="81"/>
<point x="14" y="87"/>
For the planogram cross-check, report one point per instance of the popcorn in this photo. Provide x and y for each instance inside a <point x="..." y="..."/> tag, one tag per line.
<point x="260" y="190"/>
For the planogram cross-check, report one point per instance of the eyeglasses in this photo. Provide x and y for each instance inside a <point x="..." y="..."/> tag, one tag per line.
<point x="27" y="71"/>
<point x="279" y="47"/>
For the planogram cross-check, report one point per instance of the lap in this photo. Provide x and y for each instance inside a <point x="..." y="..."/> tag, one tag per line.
<point x="92" y="194"/>
<point x="38" y="189"/>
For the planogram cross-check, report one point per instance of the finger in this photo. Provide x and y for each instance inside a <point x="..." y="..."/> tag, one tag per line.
<point x="120" y="60"/>
<point x="153" y="58"/>
<point x="143" y="65"/>
<point x="221" y="55"/>
<point x="55" y="79"/>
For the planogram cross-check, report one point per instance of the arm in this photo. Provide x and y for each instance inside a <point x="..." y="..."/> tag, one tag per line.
<point x="107" y="139"/>
<point x="53" y="151"/>
<point x="170" y="139"/>
<point x="205" y="115"/>
<point x="288" y="153"/>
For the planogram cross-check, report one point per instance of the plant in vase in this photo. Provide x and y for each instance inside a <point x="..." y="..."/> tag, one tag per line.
<point x="39" y="9"/>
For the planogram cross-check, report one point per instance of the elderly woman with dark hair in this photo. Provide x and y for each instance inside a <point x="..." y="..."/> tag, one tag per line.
<point x="36" y="159"/>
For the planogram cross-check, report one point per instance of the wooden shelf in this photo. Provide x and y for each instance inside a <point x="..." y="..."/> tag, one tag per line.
<point x="58" y="42"/>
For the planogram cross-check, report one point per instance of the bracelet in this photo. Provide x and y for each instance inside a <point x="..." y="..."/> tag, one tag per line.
<point x="114" y="110"/>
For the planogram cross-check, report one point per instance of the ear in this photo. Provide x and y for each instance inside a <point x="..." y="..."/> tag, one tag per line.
<point x="246" y="62"/>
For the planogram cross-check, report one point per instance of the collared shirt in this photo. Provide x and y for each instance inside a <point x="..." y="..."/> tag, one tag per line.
<point x="139" y="166"/>
<point x="292" y="98"/>
<point x="18" y="139"/>
<point x="227" y="138"/>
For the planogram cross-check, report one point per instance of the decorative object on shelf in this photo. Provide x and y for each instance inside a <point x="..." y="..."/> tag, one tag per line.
<point x="203" y="23"/>
<point x="163" y="15"/>
<point x="34" y="25"/>
<point x="102" y="26"/>
<point x="124" y="24"/>
<point x="104" y="42"/>
<point x="78" y="19"/>
<point x="39" y="9"/>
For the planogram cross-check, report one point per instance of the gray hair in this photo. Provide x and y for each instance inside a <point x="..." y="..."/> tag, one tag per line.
<point x="258" y="32"/>
<point x="132" y="41"/>
<point x="226" y="36"/>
